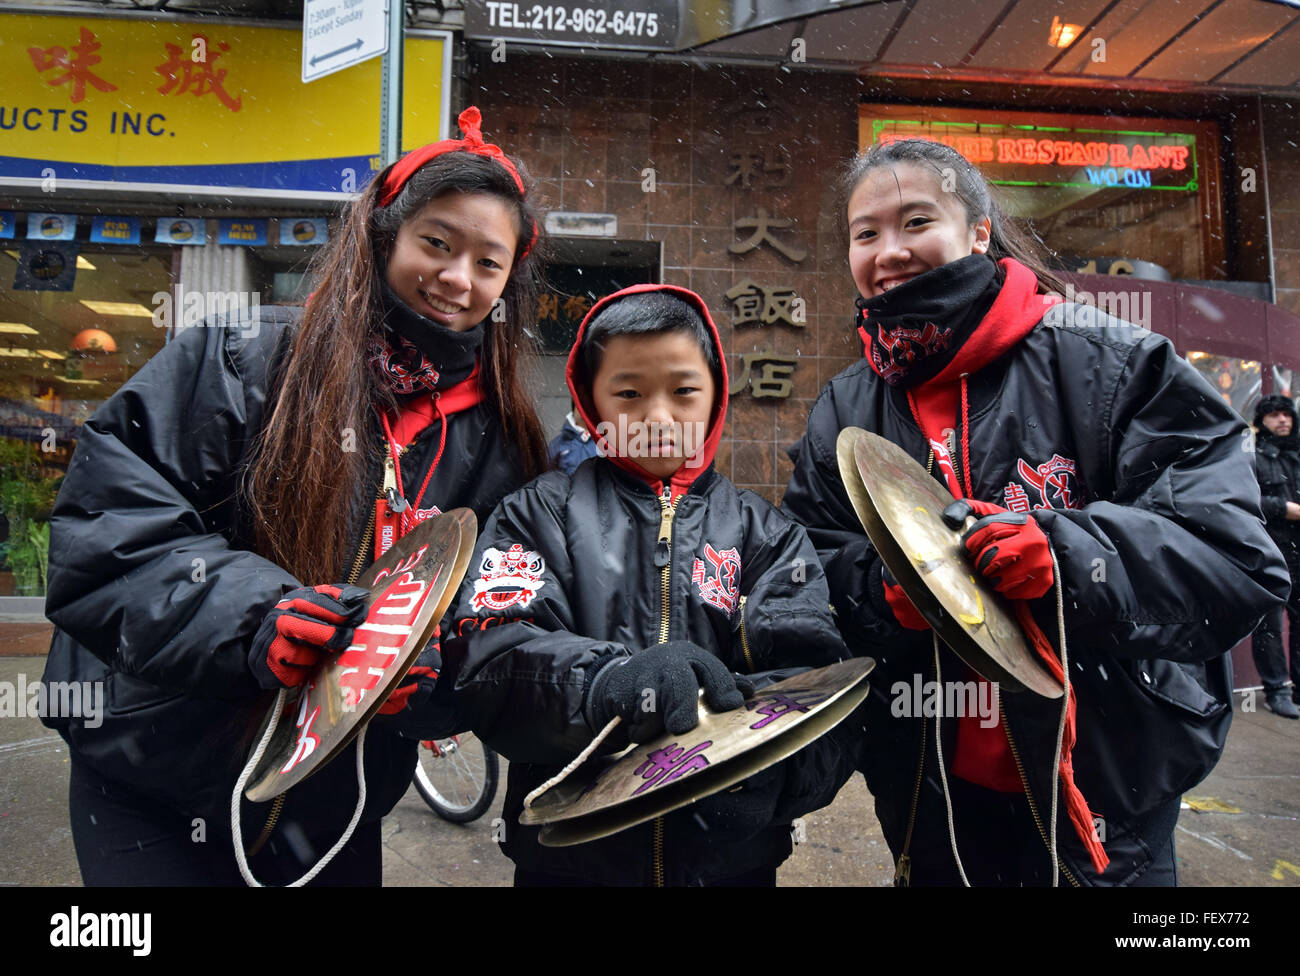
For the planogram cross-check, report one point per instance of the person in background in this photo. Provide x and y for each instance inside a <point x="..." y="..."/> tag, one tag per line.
<point x="1277" y="465"/>
<point x="572" y="445"/>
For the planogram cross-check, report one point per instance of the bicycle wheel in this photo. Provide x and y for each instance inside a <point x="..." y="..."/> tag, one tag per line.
<point x="457" y="777"/>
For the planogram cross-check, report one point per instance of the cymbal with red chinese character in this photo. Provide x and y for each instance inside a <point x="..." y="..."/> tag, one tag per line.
<point x="410" y="589"/>
<point x="608" y="794"/>
<point x="901" y="508"/>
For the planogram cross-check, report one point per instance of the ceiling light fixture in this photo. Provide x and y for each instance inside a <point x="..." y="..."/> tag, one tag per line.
<point x="133" y="309"/>
<point x="1063" y="34"/>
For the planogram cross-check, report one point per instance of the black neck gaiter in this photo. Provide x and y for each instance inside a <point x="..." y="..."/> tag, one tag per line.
<point x="415" y="352"/>
<point x="914" y="330"/>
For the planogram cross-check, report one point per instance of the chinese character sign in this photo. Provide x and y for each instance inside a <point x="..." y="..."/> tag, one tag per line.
<point x="765" y="374"/>
<point x="201" y="105"/>
<point x="756" y="305"/>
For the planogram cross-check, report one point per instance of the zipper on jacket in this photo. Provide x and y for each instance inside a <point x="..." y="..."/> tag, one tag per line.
<point x="954" y="454"/>
<point x="744" y="638"/>
<point x="389" y="483"/>
<point x="1033" y="807"/>
<point x="663" y="556"/>
<point x="659" y="852"/>
<point x="903" y="869"/>
<point x="663" y="559"/>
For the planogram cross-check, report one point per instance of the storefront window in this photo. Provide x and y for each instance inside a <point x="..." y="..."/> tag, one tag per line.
<point x="62" y="353"/>
<point x="1236" y="380"/>
<point x="1284" y="381"/>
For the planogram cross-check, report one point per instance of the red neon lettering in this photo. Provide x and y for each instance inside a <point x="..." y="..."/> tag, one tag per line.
<point x="1060" y="152"/>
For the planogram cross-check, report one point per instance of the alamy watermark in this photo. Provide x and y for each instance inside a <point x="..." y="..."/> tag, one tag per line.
<point x="183" y="308"/>
<point x="55" y="699"/>
<point x="952" y="699"/>
<point x="652" y="439"/>
<point x="75" y="929"/>
<point x="1133" y="307"/>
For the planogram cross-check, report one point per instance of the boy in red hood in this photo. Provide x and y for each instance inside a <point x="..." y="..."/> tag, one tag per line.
<point x="631" y="587"/>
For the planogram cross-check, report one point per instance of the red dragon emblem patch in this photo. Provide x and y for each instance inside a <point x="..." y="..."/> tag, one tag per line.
<point x="722" y="589"/>
<point x="507" y="579"/>
<point x="1057" y="482"/>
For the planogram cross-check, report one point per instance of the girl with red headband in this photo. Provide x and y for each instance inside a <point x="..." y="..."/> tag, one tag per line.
<point x="249" y="460"/>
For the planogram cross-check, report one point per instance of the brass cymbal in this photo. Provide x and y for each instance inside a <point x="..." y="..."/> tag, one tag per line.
<point x="900" y="505"/>
<point x="609" y="794"/>
<point x="410" y="589"/>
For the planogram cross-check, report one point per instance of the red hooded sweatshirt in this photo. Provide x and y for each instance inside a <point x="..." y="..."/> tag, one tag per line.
<point x="680" y="481"/>
<point x="983" y="755"/>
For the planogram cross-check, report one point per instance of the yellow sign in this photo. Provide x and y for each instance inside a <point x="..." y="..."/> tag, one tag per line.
<point x="199" y="104"/>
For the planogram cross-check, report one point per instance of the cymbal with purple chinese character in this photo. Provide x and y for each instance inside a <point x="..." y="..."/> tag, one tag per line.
<point x="901" y="508"/>
<point x="410" y="589"/>
<point x="608" y="794"/>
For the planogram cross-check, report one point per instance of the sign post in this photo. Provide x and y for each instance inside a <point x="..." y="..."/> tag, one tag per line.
<point x="390" y="121"/>
<point x="337" y="34"/>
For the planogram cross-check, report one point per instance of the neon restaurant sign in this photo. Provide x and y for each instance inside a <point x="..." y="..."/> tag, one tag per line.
<point x="1042" y="155"/>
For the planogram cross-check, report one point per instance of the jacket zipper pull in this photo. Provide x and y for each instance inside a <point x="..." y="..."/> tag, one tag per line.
<point x="389" y="505"/>
<point x="663" y="547"/>
<point x="396" y="503"/>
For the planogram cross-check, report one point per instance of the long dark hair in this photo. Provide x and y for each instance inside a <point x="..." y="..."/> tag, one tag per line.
<point x="302" y="481"/>
<point x="1007" y="239"/>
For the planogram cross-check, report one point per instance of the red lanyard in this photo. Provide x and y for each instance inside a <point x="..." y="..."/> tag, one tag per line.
<point x="394" y="515"/>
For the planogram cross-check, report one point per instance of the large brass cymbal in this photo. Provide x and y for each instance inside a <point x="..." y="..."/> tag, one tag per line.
<point x="410" y="589"/>
<point x="609" y="794"/>
<point x="901" y="506"/>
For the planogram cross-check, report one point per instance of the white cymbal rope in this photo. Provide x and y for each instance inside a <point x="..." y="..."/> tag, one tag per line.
<point x="578" y="760"/>
<point x="237" y="834"/>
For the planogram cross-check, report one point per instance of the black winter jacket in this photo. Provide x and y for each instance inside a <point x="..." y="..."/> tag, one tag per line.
<point x="1277" y="466"/>
<point x="571" y="573"/>
<point x="1135" y="469"/>
<point x="593" y="590"/>
<point x="155" y="591"/>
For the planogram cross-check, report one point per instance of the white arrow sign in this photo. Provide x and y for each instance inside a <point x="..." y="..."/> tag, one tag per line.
<point x="337" y="34"/>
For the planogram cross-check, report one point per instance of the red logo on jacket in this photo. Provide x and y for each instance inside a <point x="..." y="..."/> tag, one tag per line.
<point x="1057" y="482"/>
<point x="721" y="589"/>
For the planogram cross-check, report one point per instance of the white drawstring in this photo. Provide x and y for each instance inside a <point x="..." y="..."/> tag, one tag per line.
<point x="237" y="833"/>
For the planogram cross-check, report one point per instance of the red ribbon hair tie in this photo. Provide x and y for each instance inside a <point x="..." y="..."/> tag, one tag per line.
<point x="470" y="122"/>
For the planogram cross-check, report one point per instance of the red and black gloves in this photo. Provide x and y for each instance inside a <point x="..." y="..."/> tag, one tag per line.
<point x="1009" y="548"/>
<point x="305" y="623"/>
<point x="419" y="682"/>
<point x="905" y="611"/>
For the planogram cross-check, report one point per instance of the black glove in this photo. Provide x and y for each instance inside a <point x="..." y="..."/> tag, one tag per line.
<point x="741" y="811"/>
<point x="657" y="690"/>
<point x="305" y="623"/>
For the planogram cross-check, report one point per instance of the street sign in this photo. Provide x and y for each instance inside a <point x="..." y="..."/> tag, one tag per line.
<point x="337" y="34"/>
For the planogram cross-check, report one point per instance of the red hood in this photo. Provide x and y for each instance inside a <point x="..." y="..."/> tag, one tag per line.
<point x="1015" y="312"/>
<point x="683" y="477"/>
